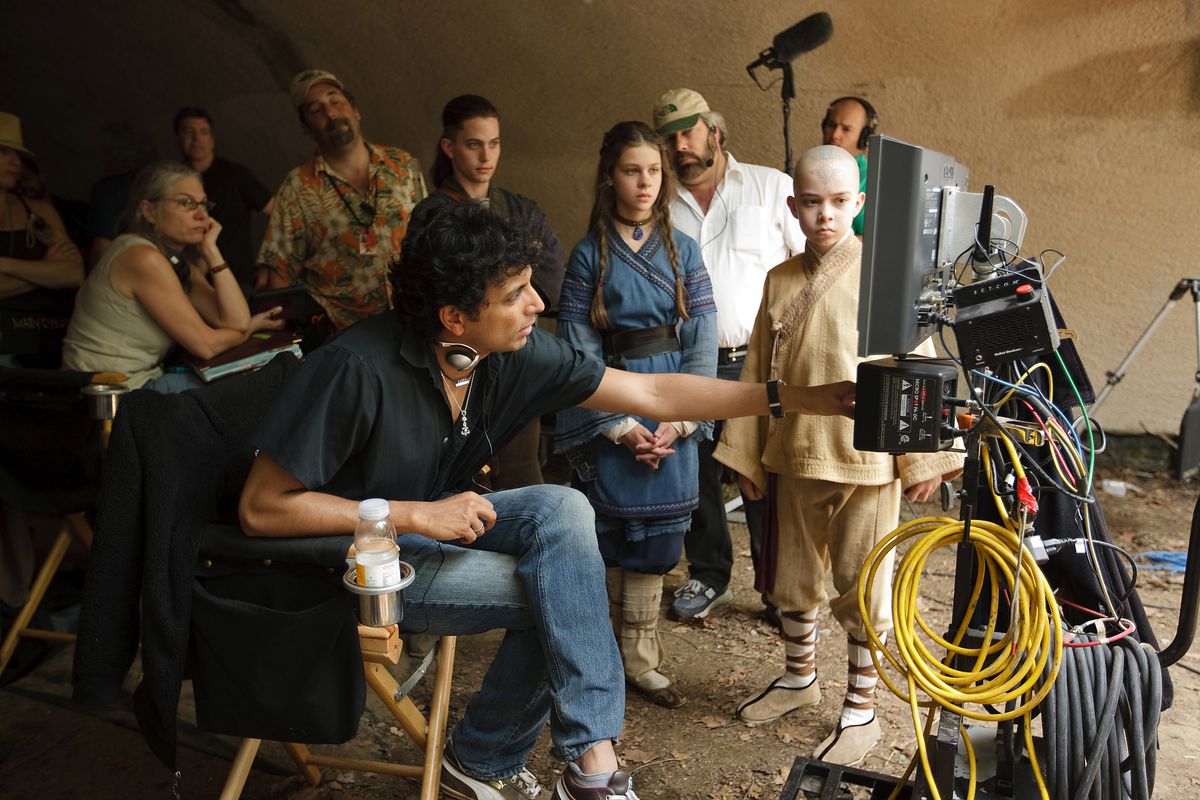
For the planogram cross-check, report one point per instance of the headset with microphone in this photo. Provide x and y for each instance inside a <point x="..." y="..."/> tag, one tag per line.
<point x="712" y="135"/>
<point x="872" y="118"/>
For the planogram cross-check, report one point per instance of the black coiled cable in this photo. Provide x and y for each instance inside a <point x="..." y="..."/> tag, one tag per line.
<point x="1100" y="723"/>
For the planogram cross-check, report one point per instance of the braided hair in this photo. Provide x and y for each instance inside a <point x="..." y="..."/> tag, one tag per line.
<point x="617" y="140"/>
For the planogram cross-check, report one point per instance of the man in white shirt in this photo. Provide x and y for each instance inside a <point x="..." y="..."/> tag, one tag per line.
<point x="738" y="215"/>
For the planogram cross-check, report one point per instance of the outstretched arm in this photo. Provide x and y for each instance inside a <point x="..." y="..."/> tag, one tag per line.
<point x="675" y="396"/>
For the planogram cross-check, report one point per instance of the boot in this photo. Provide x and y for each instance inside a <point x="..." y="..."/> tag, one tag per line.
<point x="641" y="649"/>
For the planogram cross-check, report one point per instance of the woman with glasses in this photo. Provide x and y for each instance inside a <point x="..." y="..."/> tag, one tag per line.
<point x="161" y="283"/>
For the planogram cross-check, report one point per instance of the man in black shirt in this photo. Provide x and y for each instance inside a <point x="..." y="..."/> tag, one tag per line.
<point x="233" y="188"/>
<point x="406" y="406"/>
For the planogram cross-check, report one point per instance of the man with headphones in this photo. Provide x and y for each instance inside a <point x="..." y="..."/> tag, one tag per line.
<point x="848" y="122"/>
<point x="738" y="215"/>
<point x="407" y="406"/>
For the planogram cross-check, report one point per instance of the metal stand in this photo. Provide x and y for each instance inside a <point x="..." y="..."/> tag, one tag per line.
<point x="944" y="745"/>
<point x="787" y="93"/>
<point x="1185" y="285"/>
<point x="943" y="748"/>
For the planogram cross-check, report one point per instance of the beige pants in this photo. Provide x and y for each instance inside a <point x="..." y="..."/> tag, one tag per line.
<point x="830" y="528"/>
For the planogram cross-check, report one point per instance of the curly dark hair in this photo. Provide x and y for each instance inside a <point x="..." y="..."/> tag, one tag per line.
<point x="450" y="258"/>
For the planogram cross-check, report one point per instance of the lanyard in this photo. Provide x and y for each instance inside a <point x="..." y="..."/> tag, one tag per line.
<point x="368" y="208"/>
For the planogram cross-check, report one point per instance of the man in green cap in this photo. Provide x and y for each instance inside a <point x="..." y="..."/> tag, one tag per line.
<point x="738" y="214"/>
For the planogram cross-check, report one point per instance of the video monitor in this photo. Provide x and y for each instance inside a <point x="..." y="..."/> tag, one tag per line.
<point x="900" y="242"/>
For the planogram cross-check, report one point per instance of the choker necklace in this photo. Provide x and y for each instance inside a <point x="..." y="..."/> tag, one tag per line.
<point x="638" y="233"/>
<point x="458" y="382"/>
<point x="462" y="409"/>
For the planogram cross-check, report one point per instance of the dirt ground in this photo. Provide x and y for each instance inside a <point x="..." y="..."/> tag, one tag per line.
<point x="51" y="749"/>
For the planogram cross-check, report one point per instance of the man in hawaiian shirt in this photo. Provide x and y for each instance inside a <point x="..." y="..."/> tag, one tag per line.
<point x="339" y="219"/>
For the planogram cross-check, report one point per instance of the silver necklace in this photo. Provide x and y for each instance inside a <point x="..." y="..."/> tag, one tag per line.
<point x="462" y="409"/>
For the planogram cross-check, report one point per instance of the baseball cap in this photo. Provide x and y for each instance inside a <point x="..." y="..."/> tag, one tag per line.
<point x="305" y="81"/>
<point x="678" y="110"/>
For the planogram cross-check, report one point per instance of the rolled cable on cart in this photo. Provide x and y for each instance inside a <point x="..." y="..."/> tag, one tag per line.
<point x="1019" y="668"/>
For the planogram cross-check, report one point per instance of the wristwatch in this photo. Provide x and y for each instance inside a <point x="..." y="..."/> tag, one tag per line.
<point x="773" y="401"/>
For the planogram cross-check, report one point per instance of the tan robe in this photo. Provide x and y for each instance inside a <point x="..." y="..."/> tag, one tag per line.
<point x="806" y="334"/>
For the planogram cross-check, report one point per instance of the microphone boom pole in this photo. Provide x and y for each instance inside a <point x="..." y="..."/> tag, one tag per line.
<point x="787" y="93"/>
<point x="807" y="34"/>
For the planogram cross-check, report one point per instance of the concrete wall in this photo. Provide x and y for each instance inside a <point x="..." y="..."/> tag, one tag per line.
<point x="1086" y="112"/>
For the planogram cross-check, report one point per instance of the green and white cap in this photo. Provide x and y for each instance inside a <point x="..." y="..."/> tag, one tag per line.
<point x="678" y="110"/>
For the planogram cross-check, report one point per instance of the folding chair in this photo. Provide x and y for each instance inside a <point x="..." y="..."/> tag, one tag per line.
<point x="232" y="573"/>
<point x="272" y="644"/>
<point x="50" y="450"/>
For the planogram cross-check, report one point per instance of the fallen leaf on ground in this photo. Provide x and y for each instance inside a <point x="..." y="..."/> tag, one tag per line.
<point x="638" y="756"/>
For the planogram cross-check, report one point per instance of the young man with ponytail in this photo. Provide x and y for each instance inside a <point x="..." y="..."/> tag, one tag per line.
<point x="463" y="173"/>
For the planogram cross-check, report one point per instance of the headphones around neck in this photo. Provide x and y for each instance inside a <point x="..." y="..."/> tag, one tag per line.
<point x="872" y="118"/>
<point x="460" y="356"/>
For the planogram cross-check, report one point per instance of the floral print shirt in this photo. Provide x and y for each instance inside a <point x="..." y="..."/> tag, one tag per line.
<point x="337" y="242"/>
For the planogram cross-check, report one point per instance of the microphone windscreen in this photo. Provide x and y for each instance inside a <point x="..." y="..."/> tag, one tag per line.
<point x="708" y="162"/>
<point x="807" y="34"/>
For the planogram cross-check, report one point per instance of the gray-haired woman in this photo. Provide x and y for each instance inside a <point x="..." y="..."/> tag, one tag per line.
<point x="162" y="283"/>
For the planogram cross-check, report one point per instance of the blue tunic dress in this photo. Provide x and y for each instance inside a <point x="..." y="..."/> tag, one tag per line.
<point x="641" y="513"/>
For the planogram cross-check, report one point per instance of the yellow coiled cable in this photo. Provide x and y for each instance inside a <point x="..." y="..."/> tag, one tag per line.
<point x="1010" y="669"/>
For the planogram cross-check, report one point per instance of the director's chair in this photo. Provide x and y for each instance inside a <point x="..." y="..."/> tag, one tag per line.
<point x="53" y="427"/>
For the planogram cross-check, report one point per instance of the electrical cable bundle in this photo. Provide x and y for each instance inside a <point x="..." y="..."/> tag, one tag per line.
<point x="1015" y="671"/>
<point x="1100" y="723"/>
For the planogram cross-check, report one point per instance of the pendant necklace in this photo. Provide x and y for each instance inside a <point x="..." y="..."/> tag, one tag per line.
<point x="638" y="233"/>
<point x="462" y="409"/>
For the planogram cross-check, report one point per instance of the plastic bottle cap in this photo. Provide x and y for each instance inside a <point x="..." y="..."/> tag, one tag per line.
<point x="373" y="509"/>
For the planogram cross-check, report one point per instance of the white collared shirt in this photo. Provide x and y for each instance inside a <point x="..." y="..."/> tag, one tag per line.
<point x="747" y="231"/>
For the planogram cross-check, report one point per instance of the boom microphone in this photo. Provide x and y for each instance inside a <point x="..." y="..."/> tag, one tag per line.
<point x="807" y="34"/>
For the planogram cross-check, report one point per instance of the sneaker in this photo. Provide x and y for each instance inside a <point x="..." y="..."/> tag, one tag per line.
<point x="694" y="600"/>
<point x="620" y="787"/>
<point x="460" y="785"/>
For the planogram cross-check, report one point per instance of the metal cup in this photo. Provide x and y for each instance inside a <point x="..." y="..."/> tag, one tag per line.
<point x="103" y="398"/>
<point x="380" y="606"/>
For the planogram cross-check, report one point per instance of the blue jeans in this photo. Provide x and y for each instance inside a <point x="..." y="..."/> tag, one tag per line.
<point x="537" y="574"/>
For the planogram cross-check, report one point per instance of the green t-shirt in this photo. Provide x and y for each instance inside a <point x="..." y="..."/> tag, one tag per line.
<point x="860" y="220"/>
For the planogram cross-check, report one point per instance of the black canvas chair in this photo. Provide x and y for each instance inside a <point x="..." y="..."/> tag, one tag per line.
<point x="51" y="441"/>
<point x="263" y="627"/>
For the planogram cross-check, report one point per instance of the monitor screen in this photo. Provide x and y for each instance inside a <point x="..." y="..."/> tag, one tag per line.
<point x="900" y="241"/>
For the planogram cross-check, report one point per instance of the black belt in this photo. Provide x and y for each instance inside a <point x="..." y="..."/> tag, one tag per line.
<point x="731" y="355"/>
<point x="640" y="342"/>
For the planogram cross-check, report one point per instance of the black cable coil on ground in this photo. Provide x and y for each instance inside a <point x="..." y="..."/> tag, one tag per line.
<point x="1100" y="723"/>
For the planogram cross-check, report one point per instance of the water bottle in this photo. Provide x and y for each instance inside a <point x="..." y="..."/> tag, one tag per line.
<point x="377" y="559"/>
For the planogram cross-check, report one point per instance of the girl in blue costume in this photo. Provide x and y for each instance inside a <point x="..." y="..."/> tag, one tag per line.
<point x="637" y="295"/>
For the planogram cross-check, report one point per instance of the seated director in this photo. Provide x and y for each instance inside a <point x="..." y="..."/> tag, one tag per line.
<point x="408" y="405"/>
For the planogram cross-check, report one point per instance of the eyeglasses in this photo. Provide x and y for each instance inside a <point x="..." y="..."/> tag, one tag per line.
<point x="190" y="204"/>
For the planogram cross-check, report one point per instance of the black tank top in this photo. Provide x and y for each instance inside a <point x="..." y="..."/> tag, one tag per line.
<point x="23" y="242"/>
